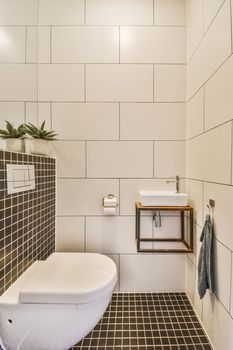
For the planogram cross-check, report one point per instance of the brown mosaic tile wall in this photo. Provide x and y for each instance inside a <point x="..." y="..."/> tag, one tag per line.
<point x="27" y="219"/>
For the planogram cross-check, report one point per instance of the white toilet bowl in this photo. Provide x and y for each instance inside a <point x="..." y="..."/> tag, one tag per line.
<point x="56" y="302"/>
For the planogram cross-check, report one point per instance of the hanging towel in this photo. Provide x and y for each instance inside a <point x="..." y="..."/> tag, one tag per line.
<point x="205" y="263"/>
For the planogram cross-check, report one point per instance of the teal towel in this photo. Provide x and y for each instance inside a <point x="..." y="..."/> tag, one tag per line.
<point x="205" y="263"/>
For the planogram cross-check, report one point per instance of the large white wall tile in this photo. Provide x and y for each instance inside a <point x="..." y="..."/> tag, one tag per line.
<point x="12" y="44"/>
<point x="86" y="121"/>
<point x="222" y="212"/>
<point x="210" y="10"/>
<point x="36" y="113"/>
<point x="120" y="159"/>
<point x="125" y="82"/>
<point x="18" y="82"/>
<point x="195" y="114"/>
<point x="116" y="259"/>
<point x="191" y="286"/>
<point x="170" y="12"/>
<point x="61" y="12"/>
<point x="33" y="37"/>
<point x="169" y="158"/>
<point x="191" y="6"/>
<point x="209" y="155"/>
<point x="170" y="83"/>
<point x="217" y="323"/>
<point x="153" y="121"/>
<point x="195" y="195"/>
<point x="222" y="281"/>
<point x="15" y="12"/>
<point x="144" y="273"/>
<point x="62" y="82"/>
<point x="13" y="112"/>
<point x="212" y="52"/>
<point x="94" y="44"/>
<point x="110" y="234"/>
<point x="70" y="158"/>
<point x="127" y="12"/>
<point x="197" y="230"/>
<point x="70" y="234"/>
<point x="86" y="195"/>
<point x="195" y="29"/>
<point x="153" y="44"/>
<point x="218" y="96"/>
<point x="129" y="192"/>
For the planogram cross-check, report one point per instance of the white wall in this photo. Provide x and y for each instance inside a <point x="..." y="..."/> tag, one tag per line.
<point x="112" y="77"/>
<point x="209" y="156"/>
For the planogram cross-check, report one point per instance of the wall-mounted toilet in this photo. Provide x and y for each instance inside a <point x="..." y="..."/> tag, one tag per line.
<point x="56" y="302"/>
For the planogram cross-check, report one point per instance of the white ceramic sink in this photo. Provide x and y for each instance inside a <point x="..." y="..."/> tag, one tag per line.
<point x="163" y="198"/>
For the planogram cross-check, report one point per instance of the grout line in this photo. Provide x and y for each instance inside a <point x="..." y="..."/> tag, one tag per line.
<point x="119" y="272"/>
<point x="119" y="125"/>
<point x="204" y="31"/>
<point x="85" y="233"/>
<point x="119" y="189"/>
<point x="153" y="161"/>
<point x="217" y="69"/>
<point x="51" y="39"/>
<point x="26" y="39"/>
<point x="38" y="61"/>
<point x="231" y="284"/>
<point x="122" y="140"/>
<point x="124" y="178"/>
<point x="107" y="63"/>
<point x="97" y="25"/>
<point x="153" y="77"/>
<point x="119" y="38"/>
<point x="85" y="160"/>
<point x="85" y="83"/>
<point x="211" y="129"/>
<point x="204" y="114"/>
<point x="85" y="12"/>
<point x="231" y="21"/>
<point x="231" y="168"/>
<point x="25" y="111"/>
<point x="99" y="102"/>
<point x="51" y="115"/>
<point x="153" y="14"/>
<point x="203" y="199"/>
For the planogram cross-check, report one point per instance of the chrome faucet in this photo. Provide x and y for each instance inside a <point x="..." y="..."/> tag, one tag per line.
<point x="177" y="181"/>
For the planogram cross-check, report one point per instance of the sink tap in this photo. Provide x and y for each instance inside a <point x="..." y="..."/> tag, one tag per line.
<point x="177" y="181"/>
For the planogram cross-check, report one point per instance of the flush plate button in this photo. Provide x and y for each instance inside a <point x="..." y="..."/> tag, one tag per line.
<point x="20" y="178"/>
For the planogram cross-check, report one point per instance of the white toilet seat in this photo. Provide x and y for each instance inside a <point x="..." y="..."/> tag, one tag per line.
<point x="57" y="302"/>
<point x="70" y="278"/>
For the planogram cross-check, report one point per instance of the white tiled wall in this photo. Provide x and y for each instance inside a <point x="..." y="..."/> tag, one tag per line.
<point x="110" y="77"/>
<point x="209" y="157"/>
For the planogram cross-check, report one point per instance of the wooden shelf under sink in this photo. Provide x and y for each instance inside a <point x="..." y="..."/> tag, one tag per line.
<point x="187" y="243"/>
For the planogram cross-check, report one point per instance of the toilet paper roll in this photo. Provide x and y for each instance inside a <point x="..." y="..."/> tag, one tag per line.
<point x="110" y="202"/>
<point x="110" y="211"/>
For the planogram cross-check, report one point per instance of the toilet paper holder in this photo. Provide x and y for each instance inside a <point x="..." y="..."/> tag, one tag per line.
<point x="111" y="201"/>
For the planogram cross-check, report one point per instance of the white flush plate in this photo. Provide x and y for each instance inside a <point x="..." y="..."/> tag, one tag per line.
<point x="20" y="178"/>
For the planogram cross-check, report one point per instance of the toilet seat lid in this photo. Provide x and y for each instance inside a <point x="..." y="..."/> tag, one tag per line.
<point x="70" y="278"/>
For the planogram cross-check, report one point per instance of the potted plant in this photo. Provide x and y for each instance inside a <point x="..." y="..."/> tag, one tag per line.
<point x="14" y="137"/>
<point x="39" y="144"/>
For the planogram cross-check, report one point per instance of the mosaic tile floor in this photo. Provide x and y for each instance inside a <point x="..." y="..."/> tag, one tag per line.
<point x="147" y="321"/>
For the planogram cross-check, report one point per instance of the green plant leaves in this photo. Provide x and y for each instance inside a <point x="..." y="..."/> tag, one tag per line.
<point x="30" y="129"/>
<point x="40" y="133"/>
<point x="12" y="132"/>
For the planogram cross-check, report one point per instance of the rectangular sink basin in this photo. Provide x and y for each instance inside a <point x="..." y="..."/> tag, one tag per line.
<point x="163" y="198"/>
